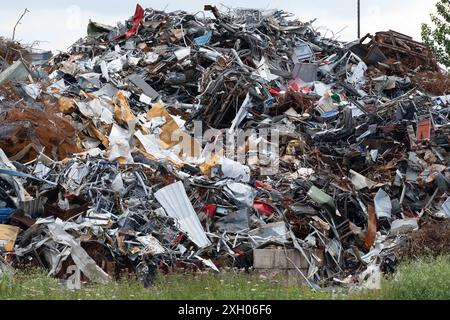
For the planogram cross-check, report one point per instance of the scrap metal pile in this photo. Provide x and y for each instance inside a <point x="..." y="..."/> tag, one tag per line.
<point x="103" y="164"/>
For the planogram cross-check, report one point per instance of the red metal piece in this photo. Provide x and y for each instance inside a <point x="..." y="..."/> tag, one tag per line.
<point x="263" y="208"/>
<point x="210" y="210"/>
<point x="275" y="92"/>
<point x="262" y="185"/>
<point x="137" y="20"/>
<point x="424" y="130"/>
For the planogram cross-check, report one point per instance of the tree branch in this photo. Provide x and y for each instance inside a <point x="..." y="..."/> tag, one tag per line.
<point x="18" y="22"/>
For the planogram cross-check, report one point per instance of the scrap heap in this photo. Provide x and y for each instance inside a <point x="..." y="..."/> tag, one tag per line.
<point x="93" y="173"/>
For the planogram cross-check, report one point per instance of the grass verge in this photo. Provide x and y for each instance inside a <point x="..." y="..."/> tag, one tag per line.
<point x="416" y="280"/>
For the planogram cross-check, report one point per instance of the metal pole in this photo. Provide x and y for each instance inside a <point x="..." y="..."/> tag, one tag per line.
<point x="359" y="19"/>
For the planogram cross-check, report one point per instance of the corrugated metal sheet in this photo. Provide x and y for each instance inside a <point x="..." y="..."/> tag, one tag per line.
<point x="175" y="201"/>
<point x="32" y="207"/>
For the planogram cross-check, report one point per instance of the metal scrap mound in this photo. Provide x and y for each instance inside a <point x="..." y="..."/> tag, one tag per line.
<point x="106" y="164"/>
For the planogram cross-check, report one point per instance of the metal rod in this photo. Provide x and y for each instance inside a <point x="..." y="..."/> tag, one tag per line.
<point x="359" y="19"/>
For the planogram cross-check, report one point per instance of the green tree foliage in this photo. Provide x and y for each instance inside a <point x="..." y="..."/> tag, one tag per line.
<point x="439" y="36"/>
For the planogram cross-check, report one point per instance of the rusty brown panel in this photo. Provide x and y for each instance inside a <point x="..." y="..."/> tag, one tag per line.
<point x="22" y="126"/>
<point x="371" y="228"/>
<point x="20" y="220"/>
<point x="51" y="208"/>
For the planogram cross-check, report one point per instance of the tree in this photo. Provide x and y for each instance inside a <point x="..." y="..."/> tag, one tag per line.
<point x="439" y="37"/>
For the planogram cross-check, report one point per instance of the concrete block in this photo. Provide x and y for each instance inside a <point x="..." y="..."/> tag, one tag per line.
<point x="278" y="258"/>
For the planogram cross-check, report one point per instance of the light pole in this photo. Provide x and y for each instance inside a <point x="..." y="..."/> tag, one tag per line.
<point x="359" y="19"/>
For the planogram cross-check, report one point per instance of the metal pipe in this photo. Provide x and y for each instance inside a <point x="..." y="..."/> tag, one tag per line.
<point x="359" y="19"/>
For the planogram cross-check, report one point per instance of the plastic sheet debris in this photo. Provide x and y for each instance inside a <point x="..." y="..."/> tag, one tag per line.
<point x="234" y="170"/>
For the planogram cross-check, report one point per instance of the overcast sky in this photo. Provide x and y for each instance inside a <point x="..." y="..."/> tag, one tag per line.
<point x="57" y="24"/>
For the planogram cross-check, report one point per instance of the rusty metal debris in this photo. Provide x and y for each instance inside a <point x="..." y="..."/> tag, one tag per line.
<point x="103" y="164"/>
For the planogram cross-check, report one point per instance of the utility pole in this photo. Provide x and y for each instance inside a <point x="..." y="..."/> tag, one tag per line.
<point x="359" y="19"/>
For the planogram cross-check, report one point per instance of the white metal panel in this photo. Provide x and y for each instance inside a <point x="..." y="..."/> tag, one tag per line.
<point x="178" y="206"/>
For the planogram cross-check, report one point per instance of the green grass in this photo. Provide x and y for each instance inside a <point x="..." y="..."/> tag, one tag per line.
<point x="425" y="279"/>
<point x="428" y="279"/>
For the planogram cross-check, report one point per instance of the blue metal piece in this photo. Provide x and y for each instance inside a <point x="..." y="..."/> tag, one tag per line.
<point x="201" y="41"/>
<point x="329" y="115"/>
<point x="4" y="214"/>
<point x="24" y="175"/>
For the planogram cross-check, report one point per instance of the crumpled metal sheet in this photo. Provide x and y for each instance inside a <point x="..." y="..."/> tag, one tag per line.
<point x="71" y="247"/>
<point x="177" y="205"/>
